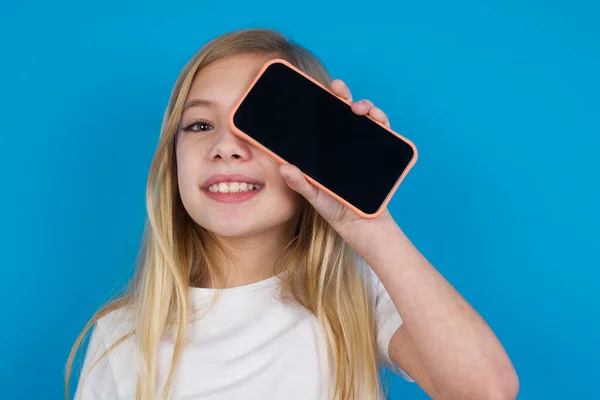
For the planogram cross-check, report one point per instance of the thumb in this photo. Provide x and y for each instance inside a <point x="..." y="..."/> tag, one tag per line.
<point x="296" y="180"/>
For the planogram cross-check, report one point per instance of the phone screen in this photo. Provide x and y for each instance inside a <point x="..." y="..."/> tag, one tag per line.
<point x="309" y="127"/>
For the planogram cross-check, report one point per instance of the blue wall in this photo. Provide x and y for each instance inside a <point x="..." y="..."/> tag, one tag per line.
<point x="500" y="98"/>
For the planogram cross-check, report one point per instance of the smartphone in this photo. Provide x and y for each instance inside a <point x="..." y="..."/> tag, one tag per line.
<point x="297" y="120"/>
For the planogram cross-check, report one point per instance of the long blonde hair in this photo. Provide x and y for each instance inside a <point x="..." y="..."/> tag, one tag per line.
<point x="323" y="275"/>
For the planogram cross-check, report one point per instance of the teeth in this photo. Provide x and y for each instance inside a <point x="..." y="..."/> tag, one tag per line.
<point x="223" y="188"/>
<point x="233" y="187"/>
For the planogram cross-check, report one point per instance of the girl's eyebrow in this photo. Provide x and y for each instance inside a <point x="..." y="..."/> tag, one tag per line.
<point x="199" y="103"/>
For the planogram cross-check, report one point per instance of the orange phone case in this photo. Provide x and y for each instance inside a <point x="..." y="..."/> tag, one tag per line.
<point x="279" y="159"/>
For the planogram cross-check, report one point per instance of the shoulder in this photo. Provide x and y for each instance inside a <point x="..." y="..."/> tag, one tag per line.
<point x="115" y="325"/>
<point x="387" y="319"/>
<point x="112" y="341"/>
<point x="384" y="307"/>
<point x="370" y="278"/>
<point x="103" y="369"/>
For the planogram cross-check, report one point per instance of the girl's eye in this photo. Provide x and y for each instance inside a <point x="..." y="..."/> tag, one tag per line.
<point x="199" y="126"/>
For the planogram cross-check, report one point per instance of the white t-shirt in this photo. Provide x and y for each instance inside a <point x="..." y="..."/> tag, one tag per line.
<point x="249" y="345"/>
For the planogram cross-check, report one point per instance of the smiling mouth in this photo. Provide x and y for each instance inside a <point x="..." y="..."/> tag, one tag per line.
<point x="233" y="187"/>
<point x="232" y="192"/>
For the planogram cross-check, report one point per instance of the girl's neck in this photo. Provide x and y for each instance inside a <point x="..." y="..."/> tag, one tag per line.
<point x="254" y="258"/>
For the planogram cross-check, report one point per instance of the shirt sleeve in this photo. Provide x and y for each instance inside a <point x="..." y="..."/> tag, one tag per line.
<point x="387" y="320"/>
<point x="96" y="382"/>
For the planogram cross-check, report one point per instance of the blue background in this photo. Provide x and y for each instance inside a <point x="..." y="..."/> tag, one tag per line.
<point x="500" y="97"/>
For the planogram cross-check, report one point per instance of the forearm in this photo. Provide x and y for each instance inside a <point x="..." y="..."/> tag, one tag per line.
<point x="456" y="347"/>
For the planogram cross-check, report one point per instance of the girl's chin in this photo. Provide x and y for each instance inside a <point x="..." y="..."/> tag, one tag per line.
<point x="253" y="225"/>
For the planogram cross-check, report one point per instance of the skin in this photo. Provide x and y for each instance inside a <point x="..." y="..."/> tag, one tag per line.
<point x="444" y="344"/>
<point x="254" y="232"/>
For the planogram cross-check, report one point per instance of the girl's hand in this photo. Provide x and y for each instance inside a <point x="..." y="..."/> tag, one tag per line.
<point x="338" y="215"/>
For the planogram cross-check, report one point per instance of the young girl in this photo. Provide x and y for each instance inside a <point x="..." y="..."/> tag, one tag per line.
<point x="253" y="284"/>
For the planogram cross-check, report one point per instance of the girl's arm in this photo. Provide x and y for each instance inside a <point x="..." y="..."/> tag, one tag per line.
<point x="443" y="344"/>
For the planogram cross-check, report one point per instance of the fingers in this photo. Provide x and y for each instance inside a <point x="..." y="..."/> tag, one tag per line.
<point x="297" y="182"/>
<point x="341" y="89"/>
<point x="362" y="107"/>
<point x="379" y="116"/>
<point x="366" y="107"/>
<point x="331" y="209"/>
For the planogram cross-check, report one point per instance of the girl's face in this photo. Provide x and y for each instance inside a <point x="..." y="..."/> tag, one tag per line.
<point x="228" y="186"/>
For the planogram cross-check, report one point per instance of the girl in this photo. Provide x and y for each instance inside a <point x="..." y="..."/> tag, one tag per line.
<point x="254" y="284"/>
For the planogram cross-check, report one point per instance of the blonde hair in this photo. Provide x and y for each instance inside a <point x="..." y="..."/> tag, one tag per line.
<point x="323" y="274"/>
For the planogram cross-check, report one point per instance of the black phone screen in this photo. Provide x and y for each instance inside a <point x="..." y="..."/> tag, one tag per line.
<point x="312" y="129"/>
